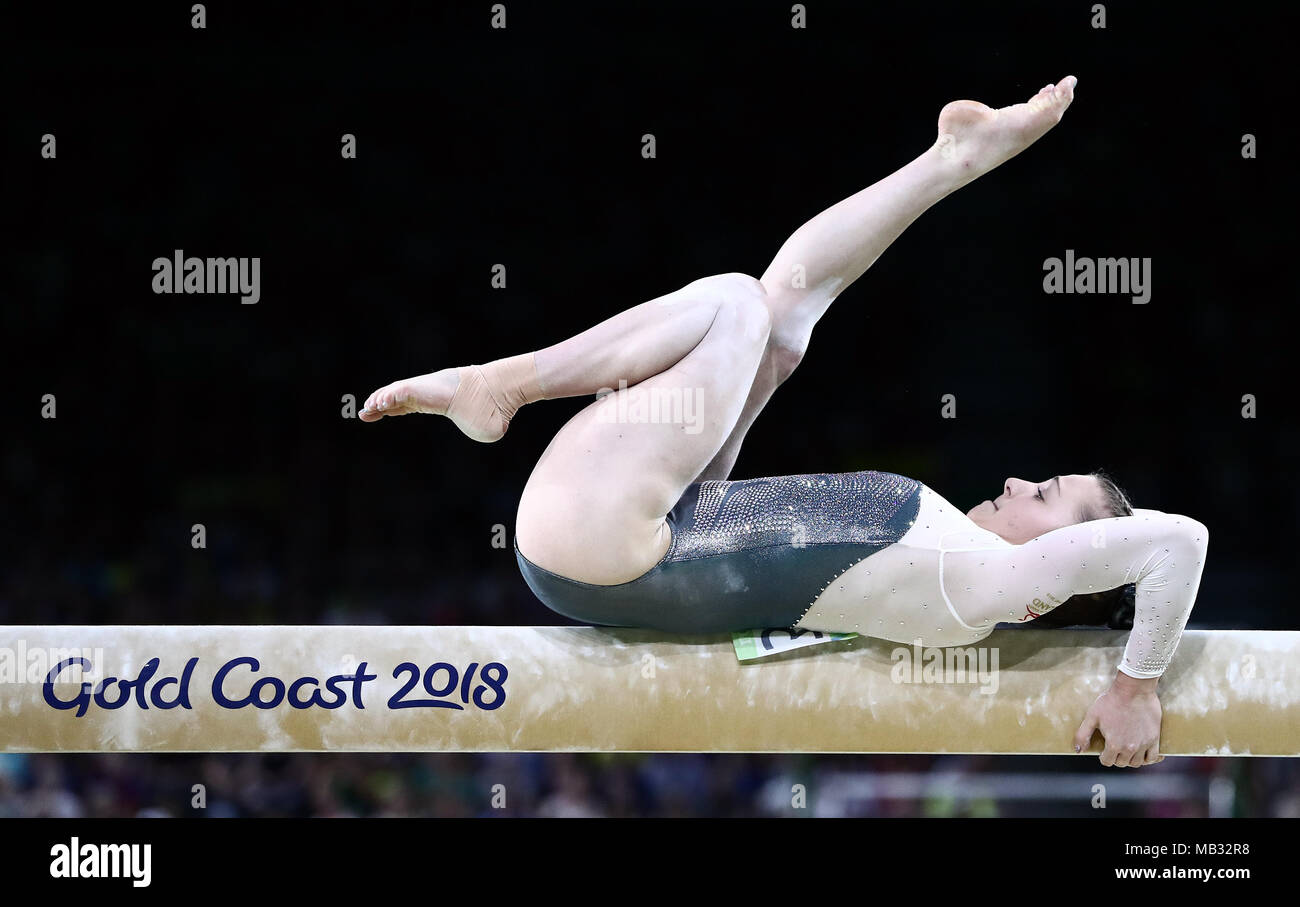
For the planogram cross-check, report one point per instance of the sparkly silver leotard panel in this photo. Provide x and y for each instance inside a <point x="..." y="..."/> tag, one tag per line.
<point x="746" y="554"/>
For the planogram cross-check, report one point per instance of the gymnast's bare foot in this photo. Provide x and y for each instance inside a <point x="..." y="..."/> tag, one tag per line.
<point x="975" y="138"/>
<point x="463" y="395"/>
<point x="429" y="393"/>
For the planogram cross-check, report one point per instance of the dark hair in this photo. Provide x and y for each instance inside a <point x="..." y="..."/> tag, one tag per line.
<point x="1114" y="607"/>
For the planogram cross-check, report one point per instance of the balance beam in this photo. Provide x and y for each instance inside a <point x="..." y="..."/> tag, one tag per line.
<point x="583" y="689"/>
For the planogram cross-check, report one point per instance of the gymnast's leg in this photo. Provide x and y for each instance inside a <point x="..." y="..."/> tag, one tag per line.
<point x="824" y="256"/>
<point x="627" y="348"/>
<point x="594" y="507"/>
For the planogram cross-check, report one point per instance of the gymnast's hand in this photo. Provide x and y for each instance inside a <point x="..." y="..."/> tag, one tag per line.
<point x="1128" y="716"/>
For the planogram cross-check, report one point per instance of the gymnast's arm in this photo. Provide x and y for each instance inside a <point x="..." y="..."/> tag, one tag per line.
<point x="1162" y="554"/>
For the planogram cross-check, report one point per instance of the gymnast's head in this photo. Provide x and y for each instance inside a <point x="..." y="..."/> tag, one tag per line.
<point x="1026" y="510"/>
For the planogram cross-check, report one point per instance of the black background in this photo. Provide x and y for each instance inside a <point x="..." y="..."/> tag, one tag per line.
<point x="522" y="147"/>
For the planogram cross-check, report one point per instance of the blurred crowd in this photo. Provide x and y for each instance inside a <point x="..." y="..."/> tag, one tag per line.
<point x="571" y="785"/>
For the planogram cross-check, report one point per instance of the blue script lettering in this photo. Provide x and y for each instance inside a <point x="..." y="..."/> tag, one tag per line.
<point x="294" y="693"/>
<point x="126" y="689"/>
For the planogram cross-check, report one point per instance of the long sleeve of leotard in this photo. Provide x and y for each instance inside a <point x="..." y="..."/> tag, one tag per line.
<point x="1163" y="554"/>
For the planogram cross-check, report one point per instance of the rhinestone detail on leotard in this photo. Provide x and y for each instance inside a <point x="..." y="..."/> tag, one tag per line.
<point x="850" y="508"/>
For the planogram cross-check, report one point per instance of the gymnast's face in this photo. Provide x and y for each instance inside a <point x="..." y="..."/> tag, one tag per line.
<point x="1026" y="510"/>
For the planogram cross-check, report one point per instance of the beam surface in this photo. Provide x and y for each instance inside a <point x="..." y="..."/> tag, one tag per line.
<point x="583" y="689"/>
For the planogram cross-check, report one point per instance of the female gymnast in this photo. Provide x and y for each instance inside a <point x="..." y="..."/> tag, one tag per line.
<point x="632" y="522"/>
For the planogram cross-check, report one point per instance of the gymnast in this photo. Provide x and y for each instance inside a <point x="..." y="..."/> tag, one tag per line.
<point x="634" y="523"/>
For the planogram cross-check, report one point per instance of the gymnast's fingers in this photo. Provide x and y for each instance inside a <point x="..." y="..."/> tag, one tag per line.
<point x="1109" y="754"/>
<point x="1083" y="736"/>
<point x="1123" y="755"/>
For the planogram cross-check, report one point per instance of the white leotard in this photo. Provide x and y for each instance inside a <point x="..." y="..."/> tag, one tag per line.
<point x="948" y="582"/>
